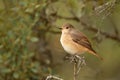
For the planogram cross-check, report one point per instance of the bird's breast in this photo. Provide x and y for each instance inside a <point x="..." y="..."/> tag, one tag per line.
<point x="69" y="45"/>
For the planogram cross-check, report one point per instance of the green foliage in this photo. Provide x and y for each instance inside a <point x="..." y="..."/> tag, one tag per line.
<point x="16" y="21"/>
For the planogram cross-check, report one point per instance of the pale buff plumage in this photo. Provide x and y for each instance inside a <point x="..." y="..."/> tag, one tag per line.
<point x="75" y="42"/>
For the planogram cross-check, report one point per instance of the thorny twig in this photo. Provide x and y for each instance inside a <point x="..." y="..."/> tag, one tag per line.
<point x="92" y="28"/>
<point x="79" y="62"/>
<point x="51" y="77"/>
<point x="105" y="7"/>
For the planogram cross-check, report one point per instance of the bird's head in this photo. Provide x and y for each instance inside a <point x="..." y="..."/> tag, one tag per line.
<point x="66" y="28"/>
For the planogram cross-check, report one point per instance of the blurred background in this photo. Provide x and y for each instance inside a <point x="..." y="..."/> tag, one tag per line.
<point x="30" y="48"/>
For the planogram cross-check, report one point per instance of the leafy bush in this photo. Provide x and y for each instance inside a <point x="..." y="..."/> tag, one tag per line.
<point x="16" y="56"/>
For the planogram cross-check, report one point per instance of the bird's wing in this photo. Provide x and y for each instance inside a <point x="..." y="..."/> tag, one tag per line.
<point x="81" y="39"/>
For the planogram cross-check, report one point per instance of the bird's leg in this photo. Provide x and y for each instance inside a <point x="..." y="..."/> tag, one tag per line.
<point x="74" y="58"/>
<point x="71" y="58"/>
<point x="80" y="60"/>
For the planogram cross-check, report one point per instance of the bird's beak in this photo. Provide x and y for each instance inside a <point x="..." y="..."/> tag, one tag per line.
<point x="59" y="28"/>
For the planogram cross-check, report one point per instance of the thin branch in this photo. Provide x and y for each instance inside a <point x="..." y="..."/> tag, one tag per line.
<point x="107" y="35"/>
<point x="78" y="63"/>
<point x="91" y="28"/>
<point x="51" y="77"/>
<point x="75" y="71"/>
<point x="105" y="7"/>
<point x="54" y="32"/>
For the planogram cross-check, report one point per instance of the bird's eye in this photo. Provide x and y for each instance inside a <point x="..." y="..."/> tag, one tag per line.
<point x="67" y="27"/>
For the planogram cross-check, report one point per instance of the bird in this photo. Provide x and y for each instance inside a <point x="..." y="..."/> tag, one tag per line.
<point x="75" y="42"/>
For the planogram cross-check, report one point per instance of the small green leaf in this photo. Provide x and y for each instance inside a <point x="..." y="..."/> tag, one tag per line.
<point x="16" y="75"/>
<point x="34" y="39"/>
<point x="34" y="70"/>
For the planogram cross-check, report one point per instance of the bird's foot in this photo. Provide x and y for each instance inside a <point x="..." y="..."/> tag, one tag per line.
<point x="75" y="59"/>
<point x="78" y="60"/>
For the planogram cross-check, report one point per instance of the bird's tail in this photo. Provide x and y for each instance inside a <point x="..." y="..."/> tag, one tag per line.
<point x="97" y="55"/>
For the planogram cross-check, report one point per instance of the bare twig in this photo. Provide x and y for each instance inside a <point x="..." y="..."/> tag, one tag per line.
<point x="54" y="32"/>
<point x="75" y="71"/>
<point x="78" y="62"/>
<point x="91" y="28"/>
<point x="107" y="35"/>
<point x="106" y="8"/>
<point x="51" y="77"/>
<point x="81" y="63"/>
